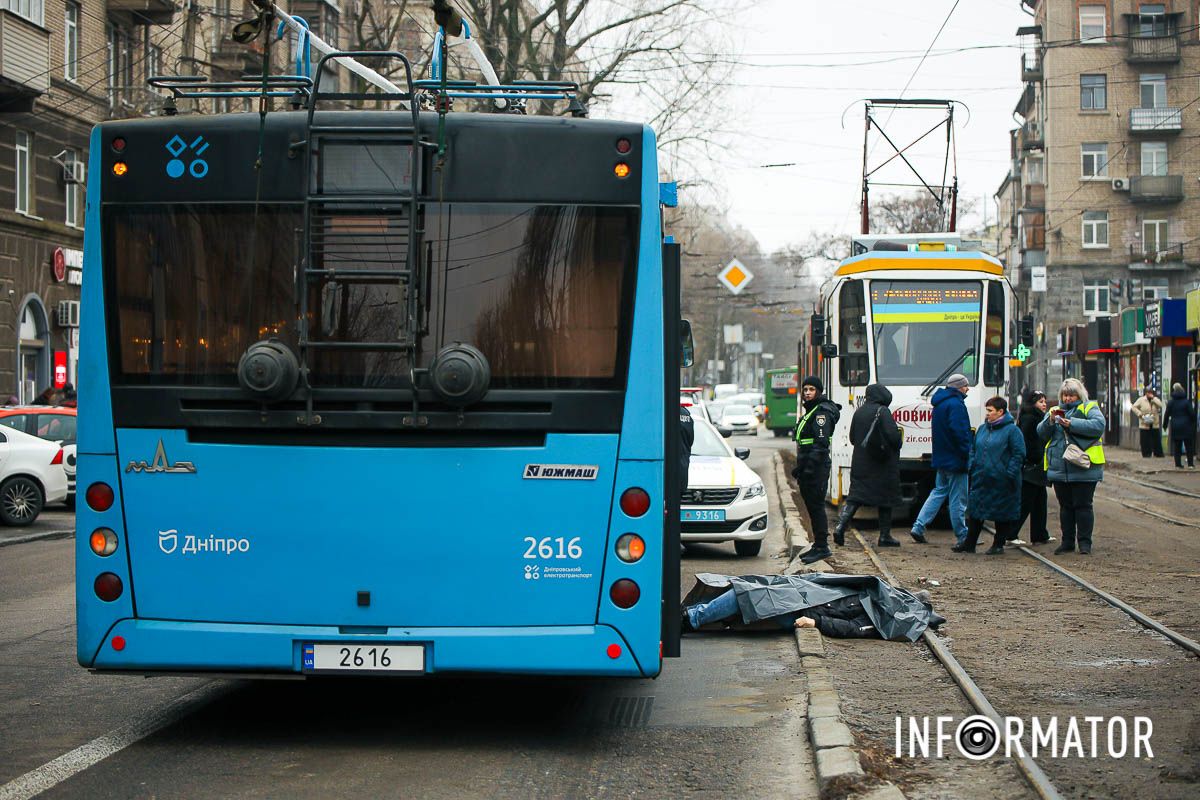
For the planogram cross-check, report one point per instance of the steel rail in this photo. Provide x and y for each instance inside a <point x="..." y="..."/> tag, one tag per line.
<point x="1160" y="487"/>
<point x="1033" y="774"/>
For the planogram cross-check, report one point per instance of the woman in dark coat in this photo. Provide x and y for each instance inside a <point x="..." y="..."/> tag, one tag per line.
<point x="1033" y="475"/>
<point x="1180" y="420"/>
<point x="875" y="467"/>
<point x="995" y="468"/>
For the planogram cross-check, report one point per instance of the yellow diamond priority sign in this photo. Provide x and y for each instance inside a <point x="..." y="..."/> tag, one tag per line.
<point x="735" y="276"/>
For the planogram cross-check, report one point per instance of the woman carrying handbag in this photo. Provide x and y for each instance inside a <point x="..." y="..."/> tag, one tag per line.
<point x="1073" y="432"/>
<point x="875" y="465"/>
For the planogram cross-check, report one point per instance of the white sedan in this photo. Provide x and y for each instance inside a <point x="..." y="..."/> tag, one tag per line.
<point x="31" y="475"/>
<point x="740" y="419"/>
<point x="725" y="500"/>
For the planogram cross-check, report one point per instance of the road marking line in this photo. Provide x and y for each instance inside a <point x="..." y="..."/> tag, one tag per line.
<point x="54" y="772"/>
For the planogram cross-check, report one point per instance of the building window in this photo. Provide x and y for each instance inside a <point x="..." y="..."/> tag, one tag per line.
<point x="1035" y="172"/>
<point x="1092" y="24"/>
<point x="223" y="16"/>
<point x="1152" y="20"/>
<point x="1155" y="289"/>
<point x="1093" y="92"/>
<point x="1153" y="91"/>
<point x="32" y="10"/>
<point x="1095" y="296"/>
<point x="120" y="66"/>
<point x="1095" y="159"/>
<point x="71" y="41"/>
<point x="73" y="166"/>
<point x="1154" y="235"/>
<point x="1154" y="158"/>
<point x="23" y="176"/>
<point x="154" y="60"/>
<point x="1095" y="229"/>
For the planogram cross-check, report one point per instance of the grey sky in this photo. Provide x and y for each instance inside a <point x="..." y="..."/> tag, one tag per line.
<point x="792" y="113"/>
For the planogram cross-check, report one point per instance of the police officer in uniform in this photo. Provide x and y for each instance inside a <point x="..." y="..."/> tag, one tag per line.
<point x="814" y="430"/>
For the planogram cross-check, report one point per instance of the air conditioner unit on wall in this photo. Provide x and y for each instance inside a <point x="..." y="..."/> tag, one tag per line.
<point x="1120" y="184"/>
<point x="68" y="313"/>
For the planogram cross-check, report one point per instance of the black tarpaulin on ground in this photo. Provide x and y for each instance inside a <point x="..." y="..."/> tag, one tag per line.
<point x="896" y="613"/>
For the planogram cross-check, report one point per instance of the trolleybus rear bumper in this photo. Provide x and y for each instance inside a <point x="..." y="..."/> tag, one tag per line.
<point x="172" y="646"/>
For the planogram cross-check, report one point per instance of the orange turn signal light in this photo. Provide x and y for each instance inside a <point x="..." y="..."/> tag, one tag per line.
<point x="621" y="170"/>
<point x="103" y="542"/>
<point x="120" y="168"/>
<point x="631" y="548"/>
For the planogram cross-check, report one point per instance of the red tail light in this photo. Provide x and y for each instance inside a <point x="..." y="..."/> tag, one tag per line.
<point x="99" y="497"/>
<point x="624" y="593"/>
<point x="635" y="502"/>
<point x="57" y="457"/>
<point x="108" y="587"/>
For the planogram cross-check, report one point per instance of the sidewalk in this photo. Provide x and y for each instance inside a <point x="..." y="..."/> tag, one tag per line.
<point x="1130" y="462"/>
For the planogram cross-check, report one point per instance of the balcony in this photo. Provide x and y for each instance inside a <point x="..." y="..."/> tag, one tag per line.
<point x="1153" y="49"/>
<point x="1035" y="197"/>
<point x="1165" y="256"/>
<point x="235" y="57"/>
<point x="24" y="62"/>
<point x="1031" y="136"/>
<point x="145" y="12"/>
<point x="1031" y="67"/>
<point x="1032" y="234"/>
<point x="1155" y="120"/>
<point x="1156" y="188"/>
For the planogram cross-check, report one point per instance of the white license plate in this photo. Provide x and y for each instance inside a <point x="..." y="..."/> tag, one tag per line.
<point x="355" y="657"/>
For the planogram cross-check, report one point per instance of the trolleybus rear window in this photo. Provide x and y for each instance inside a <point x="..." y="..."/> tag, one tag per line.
<point x="922" y="328"/>
<point x="546" y="292"/>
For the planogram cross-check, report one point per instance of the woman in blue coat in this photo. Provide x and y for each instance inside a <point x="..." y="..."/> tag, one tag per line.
<point x="995" y="468"/>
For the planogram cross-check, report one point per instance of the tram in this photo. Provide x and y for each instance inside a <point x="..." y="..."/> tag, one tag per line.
<point x="908" y="311"/>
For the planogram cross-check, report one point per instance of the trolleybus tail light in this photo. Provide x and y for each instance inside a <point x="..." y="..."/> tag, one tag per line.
<point x="631" y="548"/>
<point x="624" y="146"/>
<point x="624" y="593"/>
<point x="118" y="144"/>
<point x="103" y="542"/>
<point x="614" y="651"/>
<point x="621" y="170"/>
<point x="118" y="643"/>
<point x="57" y="457"/>
<point x="120" y="168"/>
<point x="99" y="497"/>
<point x="108" y="587"/>
<point x="634" y="502"/>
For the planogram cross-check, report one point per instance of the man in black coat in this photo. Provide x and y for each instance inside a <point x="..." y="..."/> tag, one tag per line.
<point x="687" y="436"/>
<point x="814" y="430"/>
<point x="875" y="466"/>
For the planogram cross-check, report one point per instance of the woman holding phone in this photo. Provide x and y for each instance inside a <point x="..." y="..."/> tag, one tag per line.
<point x="1073" y="432"/>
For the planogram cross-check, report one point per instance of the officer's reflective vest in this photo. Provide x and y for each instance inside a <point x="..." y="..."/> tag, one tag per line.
<point x="803" y="422"/>
<point x="1095" y="452"/>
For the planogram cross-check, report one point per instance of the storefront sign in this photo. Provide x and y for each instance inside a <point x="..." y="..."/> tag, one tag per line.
<point x="1193" y="310"/>
<point x="59" y="265"/>
<point x="1153" y="321"/>
<point x="1037" y="279"/>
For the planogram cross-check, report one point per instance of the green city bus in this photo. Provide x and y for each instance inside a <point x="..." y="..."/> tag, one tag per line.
<point x="780" y="393"/>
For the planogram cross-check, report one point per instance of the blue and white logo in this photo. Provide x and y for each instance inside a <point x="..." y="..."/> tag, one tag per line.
<point x="197" y="168"/>
<point x="168" y="540"/>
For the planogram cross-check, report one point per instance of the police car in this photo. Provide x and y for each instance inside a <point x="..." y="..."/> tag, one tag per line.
<point x="725" y="500"/>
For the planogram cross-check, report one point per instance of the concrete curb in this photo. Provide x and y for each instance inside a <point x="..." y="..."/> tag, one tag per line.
<point x="795" y="538"/>
<point x="36" y="537"/>
<point x="839" y="771"/>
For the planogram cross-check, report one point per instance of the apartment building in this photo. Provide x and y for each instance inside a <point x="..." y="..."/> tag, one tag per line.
<point x="1102" y="195"/>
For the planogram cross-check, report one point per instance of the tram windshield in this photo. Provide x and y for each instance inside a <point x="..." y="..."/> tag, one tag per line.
<point x="923" y="328"/>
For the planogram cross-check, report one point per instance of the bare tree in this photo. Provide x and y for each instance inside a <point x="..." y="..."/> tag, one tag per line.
<point x="913" y="214"/>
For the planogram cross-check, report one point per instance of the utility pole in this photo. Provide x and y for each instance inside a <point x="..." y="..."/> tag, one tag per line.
<point x="187" y="49"/>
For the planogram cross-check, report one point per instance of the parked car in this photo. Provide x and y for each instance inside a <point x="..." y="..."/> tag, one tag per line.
<point x="31" y="475"/>
<point x="754" y="399"/>
<point x="740" y="419"/>
<point x="54" y="424"/>
<point x="724" y="391"/>
<point x="725" y="500"/>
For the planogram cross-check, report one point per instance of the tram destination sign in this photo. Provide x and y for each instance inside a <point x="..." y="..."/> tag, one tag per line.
<point x="911" y="301"/>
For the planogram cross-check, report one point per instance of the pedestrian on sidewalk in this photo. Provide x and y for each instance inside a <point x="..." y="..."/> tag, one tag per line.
<point x="875" y="465"/>
<point x="1073" y="432"/>
<point x="951" y="451"/>
<point x="1149" y="410"/>
<point x="1180" y="420"/>
<point x="997" y="458"/>
<point x="1033" y="475"/>
<point x="813" y="433"/>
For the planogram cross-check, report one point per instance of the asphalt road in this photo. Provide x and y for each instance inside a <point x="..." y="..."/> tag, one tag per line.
<point x="726" y="716"/>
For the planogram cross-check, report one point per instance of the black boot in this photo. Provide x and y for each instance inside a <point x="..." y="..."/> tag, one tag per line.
<point x="839" y="532"/>
<point x="885" y="529"/>
<point x="816" y="553"/>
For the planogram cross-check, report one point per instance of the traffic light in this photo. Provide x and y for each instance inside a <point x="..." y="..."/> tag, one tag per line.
<point x="816" y="331"/>
<point x="1026" y="330"/>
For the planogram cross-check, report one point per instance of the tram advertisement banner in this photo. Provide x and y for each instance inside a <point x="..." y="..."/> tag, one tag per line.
<point x="925" y="301"/>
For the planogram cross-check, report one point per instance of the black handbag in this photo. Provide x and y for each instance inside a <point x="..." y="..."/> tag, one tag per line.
<point x="873" y="441"/>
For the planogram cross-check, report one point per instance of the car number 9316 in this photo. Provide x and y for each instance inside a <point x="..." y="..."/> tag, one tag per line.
<point x="348" y="657"/>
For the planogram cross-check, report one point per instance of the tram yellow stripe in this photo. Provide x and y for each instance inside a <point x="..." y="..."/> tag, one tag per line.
<point x="929" y="316"/>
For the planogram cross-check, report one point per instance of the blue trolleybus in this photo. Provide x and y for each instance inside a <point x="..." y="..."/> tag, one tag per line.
<point x="377" y="391"/>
